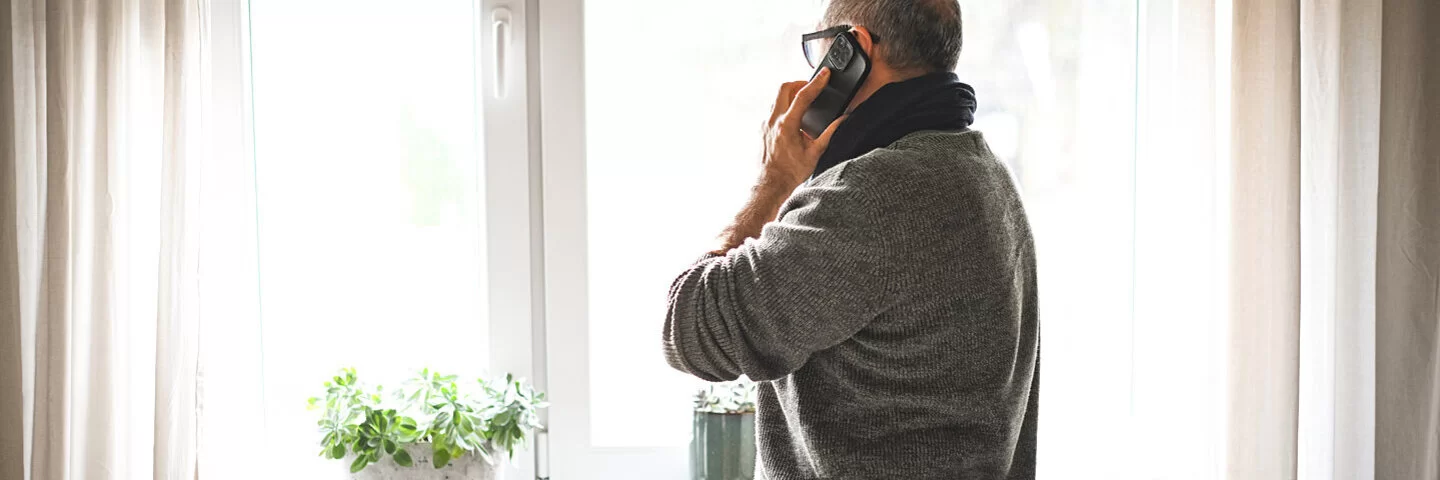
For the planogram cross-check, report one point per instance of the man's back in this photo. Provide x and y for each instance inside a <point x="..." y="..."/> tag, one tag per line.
<point x="893" y="304"/>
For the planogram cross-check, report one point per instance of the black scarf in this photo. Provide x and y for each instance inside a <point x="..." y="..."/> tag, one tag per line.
<point x="935" y="101"/>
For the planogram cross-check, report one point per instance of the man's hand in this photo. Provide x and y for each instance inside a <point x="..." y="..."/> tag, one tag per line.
<point x="790" y="157"/>
<point x="790" y="154"/>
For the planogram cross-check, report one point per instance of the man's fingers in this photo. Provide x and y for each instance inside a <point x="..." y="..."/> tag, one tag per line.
<point x="807" y="95"/>
<point x="784" y="98"/>
<point x="823" y="141"/>
<point x="787" y="91"/>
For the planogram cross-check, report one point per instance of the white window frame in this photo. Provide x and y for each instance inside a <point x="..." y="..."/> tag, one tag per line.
<point x="512" y="200"/>
<point x="566" y="266"/>
<point x="562" y="88"/>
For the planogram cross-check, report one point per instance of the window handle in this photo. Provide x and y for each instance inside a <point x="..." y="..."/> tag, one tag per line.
<point x="500" y="23"/>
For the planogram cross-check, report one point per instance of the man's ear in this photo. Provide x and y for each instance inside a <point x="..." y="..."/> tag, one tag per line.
<point x="862" y="35"/>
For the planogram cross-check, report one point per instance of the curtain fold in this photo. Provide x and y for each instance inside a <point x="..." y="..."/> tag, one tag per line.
<point x="177" y="330"/>
<point x="102" y="111"/>
<point x="1407" y="315"/>
<point x="17" y="237"/>
<point x="1340" y="125"/>
<point x="1265" y="241"/>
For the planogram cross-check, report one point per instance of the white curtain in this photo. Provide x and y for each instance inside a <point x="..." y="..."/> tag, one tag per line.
<point x="1335" y="253"/>
<point x="1340" y="90"/>
<point x="103" y="126"/>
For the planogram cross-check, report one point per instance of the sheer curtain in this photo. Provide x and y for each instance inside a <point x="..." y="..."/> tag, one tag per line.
<point x="102" y="105"/>
<point x="1334" y="362"/>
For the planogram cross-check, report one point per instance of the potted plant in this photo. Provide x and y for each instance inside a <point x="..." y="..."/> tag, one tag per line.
<point x="723" y="445"/>
<point x="456" y="429"/>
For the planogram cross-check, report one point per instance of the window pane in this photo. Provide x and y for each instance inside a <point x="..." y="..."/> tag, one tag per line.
<point x="1056" y="84"/>
<point x="371" y="211"/>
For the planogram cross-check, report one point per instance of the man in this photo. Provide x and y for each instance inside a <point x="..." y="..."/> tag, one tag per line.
<point x="888" y="303"/>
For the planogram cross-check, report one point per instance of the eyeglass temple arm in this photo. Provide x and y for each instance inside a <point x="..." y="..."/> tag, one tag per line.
<point x="826" y="33"/>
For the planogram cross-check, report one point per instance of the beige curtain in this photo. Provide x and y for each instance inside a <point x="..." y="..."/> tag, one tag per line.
<point x="1407" y="314"/>
<point x="1335" y="364"/>
<point x="1265" y="241"/>
<point x="101" y="104"/>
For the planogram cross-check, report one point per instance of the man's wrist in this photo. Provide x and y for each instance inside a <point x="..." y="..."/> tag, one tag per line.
<point x="766" y="197"/>
<point x="779" y="180"/>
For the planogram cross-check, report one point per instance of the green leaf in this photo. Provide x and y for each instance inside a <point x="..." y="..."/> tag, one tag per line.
<point x="501" y="438"/>
<point x="402" y="458"/>
<point x="442" y="458"/>
<point x="389" y="446"/>
<point x="462" y="443"/>
<point x="408" y="437"/>
<point x="442" y="419"/>
<point x="358" y="464"/>
<point x="503" y="418"/>
<point x="337" y="452"/>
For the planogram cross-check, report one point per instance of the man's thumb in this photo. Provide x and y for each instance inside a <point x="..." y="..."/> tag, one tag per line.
<point x="823" y="141"/>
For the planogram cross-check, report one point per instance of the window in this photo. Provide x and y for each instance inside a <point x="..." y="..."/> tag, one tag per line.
<point x="492" y="186"/>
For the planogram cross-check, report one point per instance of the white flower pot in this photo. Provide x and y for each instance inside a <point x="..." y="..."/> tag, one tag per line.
<point x="468" y="467"/>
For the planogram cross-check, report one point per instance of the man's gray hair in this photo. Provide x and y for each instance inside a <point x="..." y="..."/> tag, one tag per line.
<point x="919" y="35"/>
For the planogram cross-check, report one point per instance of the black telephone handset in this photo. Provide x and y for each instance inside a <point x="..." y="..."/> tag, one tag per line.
<point x="848" y="66"/>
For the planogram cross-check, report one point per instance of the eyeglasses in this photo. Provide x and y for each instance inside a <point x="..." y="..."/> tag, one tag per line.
<point x="817" y="45"/>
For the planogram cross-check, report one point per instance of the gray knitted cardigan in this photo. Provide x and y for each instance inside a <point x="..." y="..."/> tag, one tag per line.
<point x="890" y="315"/>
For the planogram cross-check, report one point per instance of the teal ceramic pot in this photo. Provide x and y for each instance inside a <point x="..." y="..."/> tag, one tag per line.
<point x="723" y="447"/>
